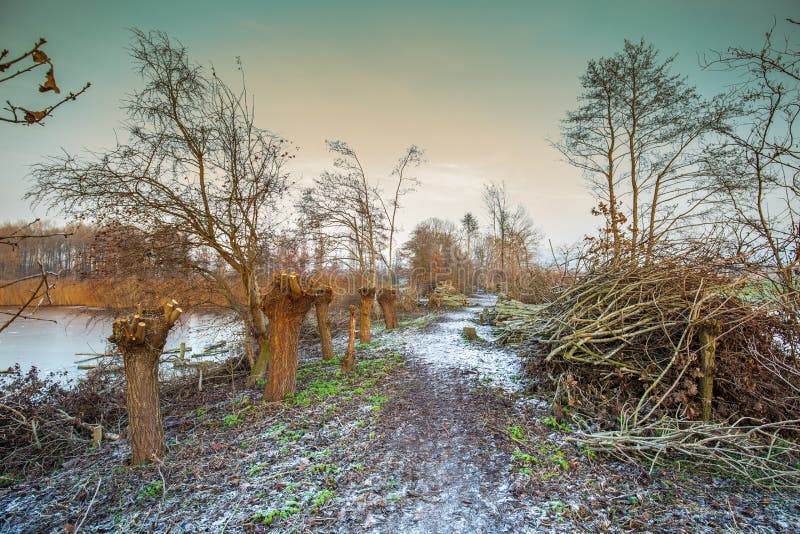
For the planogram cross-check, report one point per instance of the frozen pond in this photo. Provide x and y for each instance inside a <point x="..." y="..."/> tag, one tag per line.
<point x="52" y="346"/>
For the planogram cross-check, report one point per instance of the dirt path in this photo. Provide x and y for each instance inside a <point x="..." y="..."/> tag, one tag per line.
<point x="447" y="473"/>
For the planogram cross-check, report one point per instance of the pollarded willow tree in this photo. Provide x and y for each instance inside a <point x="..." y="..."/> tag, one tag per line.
<point x="192" y="162"/>
<point x="349" y="213"/>
<point x="141" y="339"/>
<point x="639" y="134"/>
<point x="286" y="302"/>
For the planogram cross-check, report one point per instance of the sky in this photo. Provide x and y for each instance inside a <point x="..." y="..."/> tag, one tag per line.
<point x="481" y="86"/>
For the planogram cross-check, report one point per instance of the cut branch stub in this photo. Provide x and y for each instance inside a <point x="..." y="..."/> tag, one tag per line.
<point x="324" y="296"/>
<point x="367" y="295"/>
<point x="141" y="339"/>
<point x="285" y="304"/>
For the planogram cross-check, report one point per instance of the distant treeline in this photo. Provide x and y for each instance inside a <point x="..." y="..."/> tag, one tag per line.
<point x="70" y="254"/>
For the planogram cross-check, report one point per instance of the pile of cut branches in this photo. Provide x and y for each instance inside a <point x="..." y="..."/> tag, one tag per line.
<point x="512" y="316"/>
<point x="757" y="453"/>
<point x="446" y="294"/>
<point x="622" y="348"/>
<point x="45" y="420"/>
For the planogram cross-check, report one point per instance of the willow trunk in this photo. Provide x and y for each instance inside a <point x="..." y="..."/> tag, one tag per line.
<point x="144" y="406"/>
<point x="285" y="304"/>
<point x="141" y="342"/>
<point x="321" y="308"/>
<point x="367" y="299"/>
<point x="387" y="298"/>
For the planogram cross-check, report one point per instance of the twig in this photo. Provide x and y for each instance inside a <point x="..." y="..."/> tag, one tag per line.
<point x="78" y="528"/>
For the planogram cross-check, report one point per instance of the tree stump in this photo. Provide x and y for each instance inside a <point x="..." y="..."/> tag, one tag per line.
<point x="387" y="298"/>
<point x="470" y="333"/>
<point x="286" y="303"/>
<point x="323" y="299"/>
<point x="350" y="356"/>
<point x="708" y="346"/>
<point x="367" y="298"/>
<point x="141" y="339"/>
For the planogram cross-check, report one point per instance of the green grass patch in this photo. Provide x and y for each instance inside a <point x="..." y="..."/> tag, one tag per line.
<point x="153" y="489"/>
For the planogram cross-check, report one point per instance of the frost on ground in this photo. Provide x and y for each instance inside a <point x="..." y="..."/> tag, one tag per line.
<point x="443" y="349"/>
<point x="431" y="433"/>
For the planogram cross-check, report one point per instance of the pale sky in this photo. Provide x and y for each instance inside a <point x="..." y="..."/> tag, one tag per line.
<point x="481" y="86"/>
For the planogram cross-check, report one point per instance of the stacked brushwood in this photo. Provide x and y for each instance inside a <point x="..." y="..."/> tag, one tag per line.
<point x="408" y="299"/>
<point x="621" y="348"/>
<point x="446" y="294"/>
<point x="512" y="315"/>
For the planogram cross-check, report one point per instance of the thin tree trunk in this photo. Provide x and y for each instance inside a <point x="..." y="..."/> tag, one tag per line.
<point x="367" y="298"/>
<point x="708" y="341"/>
<point x="259" y="330"/>
<point x="387" y="298"/>
<point x="324" y="298"/>
<point x="249" y="353"/>
<point x="286" y="304"/>
<point x="612" y="196"/>
<point x="634" y="159"/>
<point x="651" y="229"/>
<point x="350" y="356"/>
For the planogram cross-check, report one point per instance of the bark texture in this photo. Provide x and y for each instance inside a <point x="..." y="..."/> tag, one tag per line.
<point x="141" y="340"/>
<point x="324" y="298"/>
<point x="350" y="356"/>
<point x="387" y="298"/>
<point x="708" y="345"/>
<point x="258" y="329"/>
<point x="367" y="298"/>
<point x="286" y="303"/>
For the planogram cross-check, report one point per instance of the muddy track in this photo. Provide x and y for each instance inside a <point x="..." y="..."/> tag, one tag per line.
<point x="442" y="455"/>
<point x="447" y="470"/>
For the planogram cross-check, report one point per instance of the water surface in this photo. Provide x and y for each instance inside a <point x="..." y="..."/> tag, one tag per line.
<point x="52" y="346"/>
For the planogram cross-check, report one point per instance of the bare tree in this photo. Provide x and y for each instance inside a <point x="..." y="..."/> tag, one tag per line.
<point x="639" y="136"/>
<point x="344" y="204"/>
<point x="591" y="141"/>
<point x="193" y="162"/>
<point x="387" y="297"/>
<point x="495" y="198"/>
<point x="757" y="166"/>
